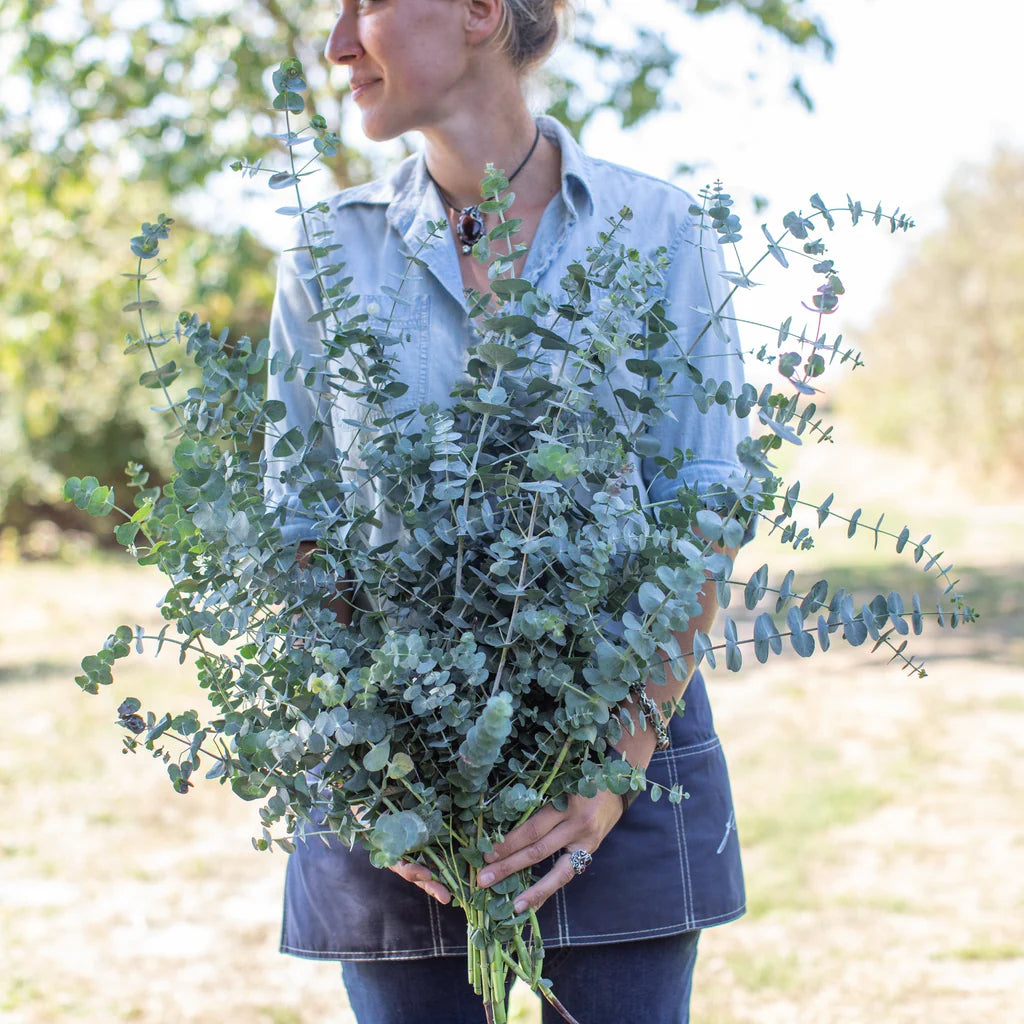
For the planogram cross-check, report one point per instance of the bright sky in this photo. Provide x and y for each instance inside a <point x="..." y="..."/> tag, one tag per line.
<point x="917" y="90"/>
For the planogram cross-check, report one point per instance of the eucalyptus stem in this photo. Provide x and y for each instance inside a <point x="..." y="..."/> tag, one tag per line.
<point x="537" y="986"/>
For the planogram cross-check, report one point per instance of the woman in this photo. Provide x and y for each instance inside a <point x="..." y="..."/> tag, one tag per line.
<point x="622" y="938"/>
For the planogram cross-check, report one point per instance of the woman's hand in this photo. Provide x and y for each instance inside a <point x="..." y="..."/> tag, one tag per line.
<point x="581" y="826"/>
<point x="421" y="876"/>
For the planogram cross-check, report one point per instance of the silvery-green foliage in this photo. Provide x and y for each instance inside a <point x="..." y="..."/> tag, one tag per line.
<point x="497" y="635"/>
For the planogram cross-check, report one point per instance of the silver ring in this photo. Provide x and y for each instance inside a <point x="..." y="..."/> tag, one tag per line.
<point x="580" y="860"/>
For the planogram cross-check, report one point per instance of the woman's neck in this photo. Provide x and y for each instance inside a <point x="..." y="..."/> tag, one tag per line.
<point x="457" y="153"/>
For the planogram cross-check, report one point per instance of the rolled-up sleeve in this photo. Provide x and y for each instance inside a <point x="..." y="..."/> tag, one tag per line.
<point x="706" y="335"/>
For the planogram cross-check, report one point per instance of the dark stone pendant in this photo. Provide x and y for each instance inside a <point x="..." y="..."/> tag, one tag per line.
<point x="469" y="227"/>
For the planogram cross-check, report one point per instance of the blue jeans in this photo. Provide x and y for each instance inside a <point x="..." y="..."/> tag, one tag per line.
<point x="648" y="980"/>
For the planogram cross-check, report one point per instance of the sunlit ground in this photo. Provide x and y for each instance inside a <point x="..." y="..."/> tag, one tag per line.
<point x="880" y="816"/>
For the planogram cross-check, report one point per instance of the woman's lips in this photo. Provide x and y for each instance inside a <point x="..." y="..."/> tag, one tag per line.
<point x="359" y="88"/>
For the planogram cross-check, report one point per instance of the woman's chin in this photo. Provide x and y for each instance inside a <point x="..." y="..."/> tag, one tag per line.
<point x="379" y="129"/>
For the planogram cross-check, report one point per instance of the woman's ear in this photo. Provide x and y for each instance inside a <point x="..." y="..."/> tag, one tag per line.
<point x="483" y="19"/>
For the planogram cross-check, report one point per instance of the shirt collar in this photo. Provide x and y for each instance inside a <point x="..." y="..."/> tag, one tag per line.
<point x="412" y="203"/>
<point x="408" y="188"/>
<point x="577" y="167"/>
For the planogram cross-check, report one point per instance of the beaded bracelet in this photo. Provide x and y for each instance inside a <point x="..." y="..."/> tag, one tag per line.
<point x="652" y="716"/>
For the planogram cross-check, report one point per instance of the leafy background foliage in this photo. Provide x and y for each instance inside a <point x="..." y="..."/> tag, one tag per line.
<point x="186" y="81"/>
<point x="114" y="110"/>
<point x="68" y="396"/>
<point x="956" y="315"/>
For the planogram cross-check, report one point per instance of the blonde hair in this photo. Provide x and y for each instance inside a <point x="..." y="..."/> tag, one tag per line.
<point x="529" y="30"/>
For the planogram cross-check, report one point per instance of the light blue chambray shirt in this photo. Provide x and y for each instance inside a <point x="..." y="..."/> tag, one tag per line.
<point x="665" y="868"/>
<point x="381" y="224"/>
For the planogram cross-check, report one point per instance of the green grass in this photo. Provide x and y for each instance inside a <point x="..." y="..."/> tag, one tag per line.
<point x="18" y="992"/>
<point x="786" y="834"/>
<point x="764" y="970"/>
<point x="280" y="1015"/>
<point x="985" y="950"/>
<point x="885" y="903"/>
<point x="809" y="808"/>
<point x="1009" y="703"/>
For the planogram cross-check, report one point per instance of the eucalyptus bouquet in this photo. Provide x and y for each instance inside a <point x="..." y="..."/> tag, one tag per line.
<point x="501" y="633"/>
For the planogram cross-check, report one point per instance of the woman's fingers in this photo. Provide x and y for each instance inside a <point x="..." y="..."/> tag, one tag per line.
<point x="547" y="885"/>
<point x="538" y="847"/>
<point x="529" y="834"/>
<point x="582" y="826"/>
<point x="422" y="877"/>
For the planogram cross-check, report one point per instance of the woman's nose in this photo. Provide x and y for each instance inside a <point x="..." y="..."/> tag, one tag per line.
<point x="343" y="44"/>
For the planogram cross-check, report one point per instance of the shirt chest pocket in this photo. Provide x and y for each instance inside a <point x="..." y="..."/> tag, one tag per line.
<point x="404" y="326"/>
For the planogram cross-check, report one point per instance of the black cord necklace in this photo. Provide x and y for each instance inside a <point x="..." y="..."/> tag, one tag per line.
<point x="469" y="225"/>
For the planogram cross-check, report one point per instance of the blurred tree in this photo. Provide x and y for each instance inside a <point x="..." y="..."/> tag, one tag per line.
<point x="956" y="315"/>
<point x="179" y="85"/>
<point x="161" y="95"/>
<point x="69" y="400"/>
